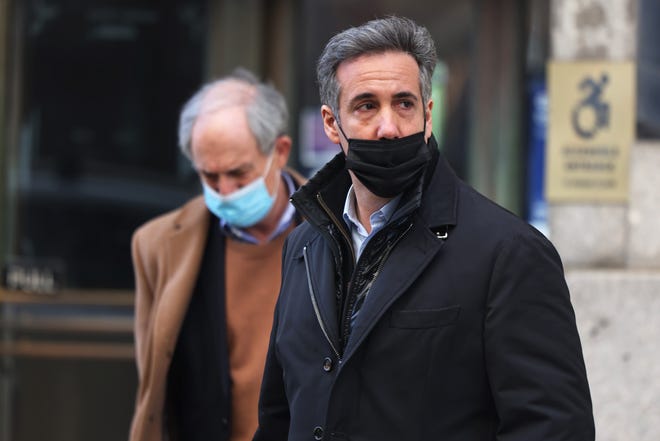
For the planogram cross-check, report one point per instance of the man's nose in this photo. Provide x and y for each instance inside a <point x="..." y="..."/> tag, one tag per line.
<point x="225" y="185"/>
<point x="387" y="127"/>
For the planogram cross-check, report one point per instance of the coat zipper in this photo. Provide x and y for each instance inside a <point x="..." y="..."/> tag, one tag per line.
<point x="381" y="264"/>
<point x="316" y="306"/>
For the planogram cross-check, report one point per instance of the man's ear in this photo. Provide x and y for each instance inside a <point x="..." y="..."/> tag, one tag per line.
<point x="282" y="149"/>
<point x="329" y="124"/>
<point x="428" y="115"/>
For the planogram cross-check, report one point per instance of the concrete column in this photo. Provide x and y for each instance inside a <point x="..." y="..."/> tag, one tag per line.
<point x="618" y="316"/>
<point x="612" y="251"/>
<point x="586" y="234"/>
<point x="644" y="207"/>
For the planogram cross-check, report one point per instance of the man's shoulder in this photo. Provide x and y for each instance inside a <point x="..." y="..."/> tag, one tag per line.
<point x="450" y="199"/>
<point x="490" y="222"/>
<point x="191" y="212"/>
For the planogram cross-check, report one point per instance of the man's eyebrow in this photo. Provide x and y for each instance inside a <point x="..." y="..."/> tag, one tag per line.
<point x="409" y="95"/>
<point x="360" y="97"/>
<point x="368" y="95"/>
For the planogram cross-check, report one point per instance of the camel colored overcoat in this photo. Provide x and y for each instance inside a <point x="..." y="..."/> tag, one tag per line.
<point x="167" y="253"/>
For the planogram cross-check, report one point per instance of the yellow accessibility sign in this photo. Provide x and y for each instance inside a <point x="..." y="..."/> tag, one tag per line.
<point x="591" y="124"/>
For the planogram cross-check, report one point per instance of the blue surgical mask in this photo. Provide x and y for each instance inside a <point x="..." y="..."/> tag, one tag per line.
<point x="244" y="207"/>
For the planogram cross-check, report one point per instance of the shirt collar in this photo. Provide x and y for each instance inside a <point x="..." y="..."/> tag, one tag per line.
<point x="377" y="219"/>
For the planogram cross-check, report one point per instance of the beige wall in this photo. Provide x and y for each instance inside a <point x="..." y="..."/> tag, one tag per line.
<point x="612" y="251"/>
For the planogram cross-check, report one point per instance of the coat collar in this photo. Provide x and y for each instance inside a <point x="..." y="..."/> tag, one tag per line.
<point x="440" y="198"/>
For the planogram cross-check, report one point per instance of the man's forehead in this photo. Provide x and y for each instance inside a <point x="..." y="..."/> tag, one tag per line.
<point x="395" y="73"/>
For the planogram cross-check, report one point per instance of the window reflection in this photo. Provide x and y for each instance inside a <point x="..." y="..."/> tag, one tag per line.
<point x="95" y="149"/>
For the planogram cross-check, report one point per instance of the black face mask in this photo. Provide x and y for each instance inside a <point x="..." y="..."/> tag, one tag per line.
<point x="388" y="167"/>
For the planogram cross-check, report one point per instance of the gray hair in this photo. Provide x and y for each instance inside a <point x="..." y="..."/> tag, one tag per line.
<point x="376" y="36"/>
<point x="265" y="108"/>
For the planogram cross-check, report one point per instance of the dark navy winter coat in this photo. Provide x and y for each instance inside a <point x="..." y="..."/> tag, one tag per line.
<point x="467" y="332"/>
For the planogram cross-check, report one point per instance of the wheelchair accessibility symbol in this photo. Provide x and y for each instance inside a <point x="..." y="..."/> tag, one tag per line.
<point x="591" y="114"/>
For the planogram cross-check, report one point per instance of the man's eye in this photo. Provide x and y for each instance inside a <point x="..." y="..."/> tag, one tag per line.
<point x="406" y="104"/>
<point x="237" y="174"/>
<point x="210" y="176"/>
<point x="366" y="106"/>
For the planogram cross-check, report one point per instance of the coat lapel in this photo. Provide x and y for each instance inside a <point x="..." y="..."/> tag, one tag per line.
<point x="185" y="248"/>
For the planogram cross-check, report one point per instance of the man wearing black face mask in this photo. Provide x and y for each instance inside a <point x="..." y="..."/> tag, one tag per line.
<point x="411" y="307"/>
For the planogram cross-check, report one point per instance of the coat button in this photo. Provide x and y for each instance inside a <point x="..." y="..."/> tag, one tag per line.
<point x="327" y="364"/>
<point x="318" y="433"/>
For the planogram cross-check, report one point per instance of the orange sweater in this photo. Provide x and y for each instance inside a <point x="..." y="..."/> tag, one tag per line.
<point x="252" y="285"/>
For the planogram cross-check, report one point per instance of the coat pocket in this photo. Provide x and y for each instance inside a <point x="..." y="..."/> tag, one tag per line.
<point x="424" y="318"/>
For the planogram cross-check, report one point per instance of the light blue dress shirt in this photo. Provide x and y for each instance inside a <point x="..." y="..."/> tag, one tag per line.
<point x="378" y="219"/>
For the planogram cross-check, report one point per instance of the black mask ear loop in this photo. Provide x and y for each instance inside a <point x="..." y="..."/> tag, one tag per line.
<point x="342" y="131"/>
<point x="424" y="115"/>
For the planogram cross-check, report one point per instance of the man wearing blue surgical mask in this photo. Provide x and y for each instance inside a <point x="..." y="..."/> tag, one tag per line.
<point x="207" y="274"/>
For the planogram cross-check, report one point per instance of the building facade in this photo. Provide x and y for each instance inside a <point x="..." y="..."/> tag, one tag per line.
<point x="89" y="98"/>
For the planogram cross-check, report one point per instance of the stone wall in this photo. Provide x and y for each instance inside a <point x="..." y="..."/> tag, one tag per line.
<point x="618" y="316"/>
<point x="612" y="251"/>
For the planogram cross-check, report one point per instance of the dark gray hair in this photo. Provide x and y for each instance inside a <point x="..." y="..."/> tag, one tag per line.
<point x="376" y="36"/>
<point x="265" y="108"/>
